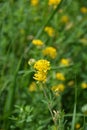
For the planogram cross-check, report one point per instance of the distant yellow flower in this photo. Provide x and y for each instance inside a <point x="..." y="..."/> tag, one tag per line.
<point x="77" y="126"/>
<point x="64" y="19"/>
<point x="50" y="31"/>
<point x="84" y="85"/>
<point x="60" y="76"/>
<point x="32" y="87"/>
<point x="42" y="65"/>
<point x="37" y="42"/>
<point x="34" y="2"/>
<point x="59" y="88"/>
<point x="83" y="10"/>
<point x="54" y="2"/>
<point x="50" y="51"/>
<point x="65" y="62"/>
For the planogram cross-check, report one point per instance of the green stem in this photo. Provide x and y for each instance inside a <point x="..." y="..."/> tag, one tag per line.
<point x="49" y="107"/>
<point x="48" y="103"/>
<point x="77" y="114"/>
<point x="74" y="111"/>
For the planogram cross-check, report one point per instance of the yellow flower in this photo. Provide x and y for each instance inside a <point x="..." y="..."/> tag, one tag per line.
<point x="83" y="10"/>
<point x="34" y="2"/>
<point x="42" y="65"/>
<point x="50" y="51"/>
<point x="65" y="62"/>
<point x="84" y="85"/>
<point x="32" y="87"/>
<point x="59" y="88"/>
<point x="64" y="19"/>
<point x="50" y="31"/>
<point x="37" y="42"/>
<point x="60" y="76"/>
<point x="54" y="2"/>
<point x="40" y="76"/>
<point x="77" y="126"/>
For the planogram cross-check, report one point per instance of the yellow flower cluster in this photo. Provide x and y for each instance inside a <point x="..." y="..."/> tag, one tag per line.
<point x="60" y="76"/>
<point x="50" y="31"/>
<point x="84" y="85"/>
<point x="34" y="2"/>
<point x="58" y="88"/>
<point x="40" y="76"/>
<point x="65" y="62"/>
<point x="50" y="51"/>
<point x="54" y="2"/>
<point x="41" y="66"/>
<point x="83" y="10"/>
<point x="37" y="42"/>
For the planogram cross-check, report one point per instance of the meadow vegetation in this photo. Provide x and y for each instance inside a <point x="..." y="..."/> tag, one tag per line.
<point x="43" y="65"/>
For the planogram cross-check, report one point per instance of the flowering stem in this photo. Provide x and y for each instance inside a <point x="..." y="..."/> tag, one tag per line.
<point x="49" y="107"/>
